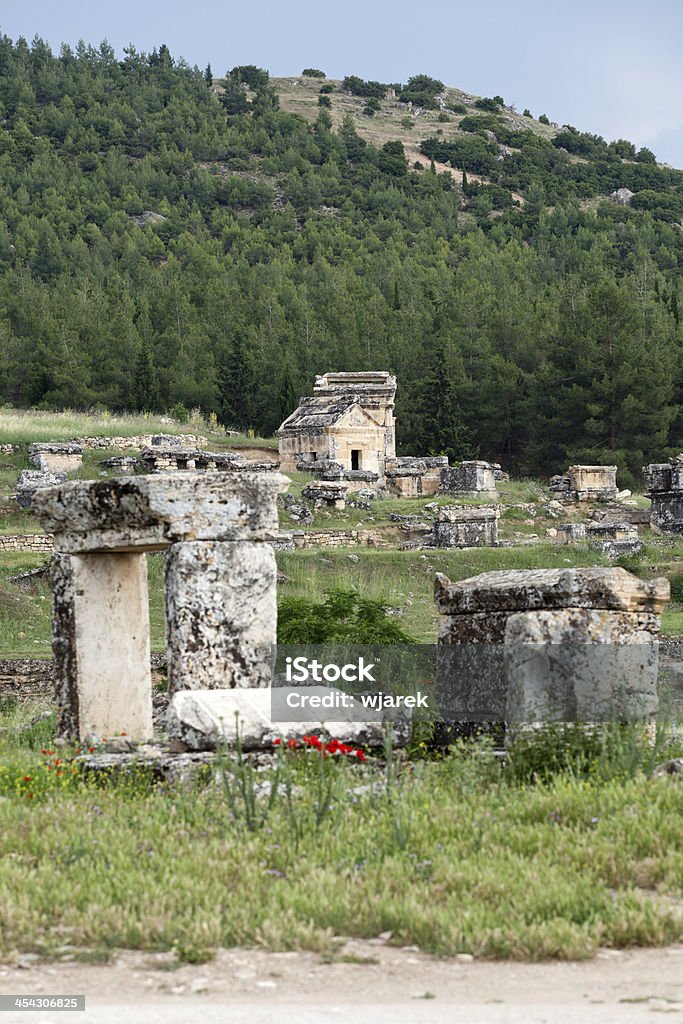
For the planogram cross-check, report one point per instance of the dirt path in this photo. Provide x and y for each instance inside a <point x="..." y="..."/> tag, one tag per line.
<point x="369" y="982"/>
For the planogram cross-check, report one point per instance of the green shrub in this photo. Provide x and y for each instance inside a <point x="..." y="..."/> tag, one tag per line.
<point x="489" y="104"/>
<point x="344" y="617"/>
<point x="324" y="101"/>
<point x="313" y="73"/>
<point x="676" y="583"/>
<point x="443" y="117"/>
<point x="326" y="87"/>
<point x="544" y="119"/>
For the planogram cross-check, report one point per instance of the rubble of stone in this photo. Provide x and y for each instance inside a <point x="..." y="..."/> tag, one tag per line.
<point x="571" y="533"/>
<point x="328" y="493"/>
<point x="614" y="539"/>
<point x="466" y="526"/>
<point x="139" y="441"/>
<point x="552" y="623"/>
<point x="410" y="477"/>
<point x="31" y="481"/>
<point x="622" y="196"/>
<point x="126" y="463"/>
<point x="664" y="487"/>
<point x="220" y="590"/>
<point x="472" y="478"/>
<point x="7" y="449"/>
<point x="201" y="720"/>
<point x="169" y="458"/>
<point x="586" y="483"/>
<point x="54" y="457"/>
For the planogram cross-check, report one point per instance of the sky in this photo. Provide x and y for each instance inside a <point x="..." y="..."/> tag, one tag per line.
<point x="608" y="67"/>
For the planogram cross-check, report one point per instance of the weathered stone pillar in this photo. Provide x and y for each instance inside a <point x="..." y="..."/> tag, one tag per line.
<point x="221" y="581"/>
<point x="100" y="639"/>
<point x="221" y="611"/>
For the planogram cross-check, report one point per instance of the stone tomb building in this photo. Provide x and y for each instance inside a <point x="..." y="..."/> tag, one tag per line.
<point x="220" y="590"/>
<point x="348" y="420"/>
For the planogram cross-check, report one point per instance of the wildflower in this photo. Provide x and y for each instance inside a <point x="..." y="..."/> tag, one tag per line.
<point x="291" y="744"/>
<point x="29" y="796"/>
<point x="91" y="750"/>
<point x="276" y="743"/>
<point x="27" y="778"/>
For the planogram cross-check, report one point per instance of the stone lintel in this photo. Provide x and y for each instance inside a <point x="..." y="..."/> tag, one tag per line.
<point x="150" y="513"/>
<point x="526" y="590"/>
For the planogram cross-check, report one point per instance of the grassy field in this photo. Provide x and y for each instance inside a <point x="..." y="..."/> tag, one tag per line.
<point x="462" y="854"/>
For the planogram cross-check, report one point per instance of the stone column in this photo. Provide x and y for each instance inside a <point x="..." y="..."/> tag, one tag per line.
<point x="221" y="614"/>
<point x="100" y="638"/>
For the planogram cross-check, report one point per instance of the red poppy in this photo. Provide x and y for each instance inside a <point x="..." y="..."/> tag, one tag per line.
<point x="276" y="743"/>
<point x="27" y="778"/>
<point x="291" y="744"/>
<point x="91" y="750"/>
<point x="360" y="755"/>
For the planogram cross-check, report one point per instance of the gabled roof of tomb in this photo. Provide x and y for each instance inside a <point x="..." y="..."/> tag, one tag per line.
<point x="317" y="412"/>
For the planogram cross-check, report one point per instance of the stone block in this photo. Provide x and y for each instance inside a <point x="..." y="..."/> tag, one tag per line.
<point x="470" y="477"/>
<point x="581" y="665"/>
<point x="100" y="639"/>
<point x="464" y="526"/>
<point x="221" y="614"/>
<point x="32" y="480"/>
<point x="53" y="457"/>
<point x="149" y="513"/>
<point x="200" y="720"/>
<point x="571" y="533"/>
<point x="524" y="590"/>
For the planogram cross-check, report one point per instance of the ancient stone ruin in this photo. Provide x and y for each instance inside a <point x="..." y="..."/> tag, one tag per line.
<point x="410" y="477"/>
<point x="472" y="478"/>
<point x="31" y="480"/>
<point x="571" y="533"/>
<point x="586" y="483"/>
<point x="614" y="538"/>
<point x="53" y="457"/>
<point x="578" y="643"/>
<point x="348" y="420"/>
<point x="170" y="459"/>
<point x="220" y="581"/>
<point x="466" y="526"/>
<point x="664" y="486"/>
<point x="328" y="493"/>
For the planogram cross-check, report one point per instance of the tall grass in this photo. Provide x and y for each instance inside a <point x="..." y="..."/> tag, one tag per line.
<point x="452" y="855"/>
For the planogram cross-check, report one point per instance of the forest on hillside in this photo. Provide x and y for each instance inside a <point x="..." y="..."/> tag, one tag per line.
<point x="535" y="333"/>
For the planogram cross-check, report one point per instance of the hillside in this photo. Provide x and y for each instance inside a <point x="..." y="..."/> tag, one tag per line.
<point x="167" y="241"/>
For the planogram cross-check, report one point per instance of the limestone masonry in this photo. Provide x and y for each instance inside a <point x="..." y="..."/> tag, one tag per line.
<point x="586" y="483"/>
<point x="561" y="629"/>
<point x="220" y="590"/>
